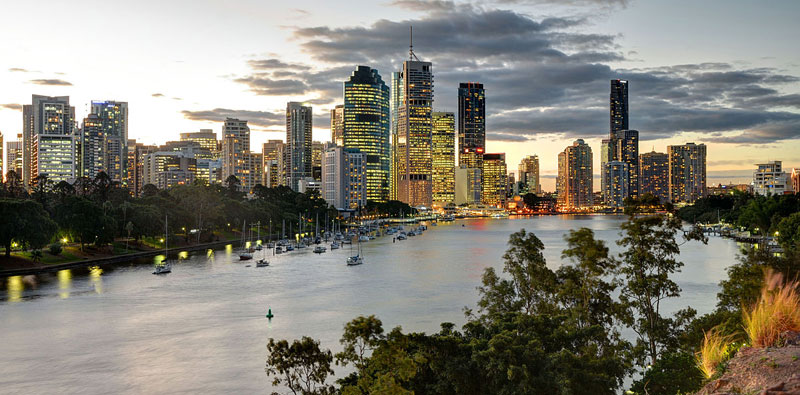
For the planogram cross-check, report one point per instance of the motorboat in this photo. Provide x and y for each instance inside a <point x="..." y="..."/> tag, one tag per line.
<point x="363" y="238"/>
<point x="412" y="234"/>
<point x="335" y="245"/>
<point x="401" y="236"/>
<point x="301" y="245"/>
<point x="354" y="260"/>
<point x="278" y="250"/>
<point x="289" y="247"/>
<point x="245" y="256"/>
<point x="262" y="263"/>
<point x="320" y="249"/>
<point x="165" y="266"/>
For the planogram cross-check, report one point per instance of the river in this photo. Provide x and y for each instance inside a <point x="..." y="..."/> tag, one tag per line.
<point x="202" y="327"/>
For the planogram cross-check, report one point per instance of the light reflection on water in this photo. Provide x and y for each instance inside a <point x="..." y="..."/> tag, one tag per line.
<point x="202" y="328"/>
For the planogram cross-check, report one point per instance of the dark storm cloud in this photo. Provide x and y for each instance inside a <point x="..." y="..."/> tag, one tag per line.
<point x="12" y="106"/>
<point x="254" y="118"/>
<point x="51" y="82"/>
<point x="542" y="76"/>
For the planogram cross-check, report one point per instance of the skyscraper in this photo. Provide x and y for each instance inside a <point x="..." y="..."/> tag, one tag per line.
<point x="468" y="185"/>
<point x="414" y="164"/>
<point x="272" y="154"/>
<point x="14" y="157"/>
<point x="395" y="101"/>
<point x="687" y="172"/>
<point x="206" y="139"/>
<point x="529" y="174"/>
<point x="48" y="139"/>
<point x="616" y="176"/>
<point x="471" y="124"/>
<point x="337" y="125"/>
<point x="140" y="152"/>
<point x="619" y="106"/>
<point x="575" y="178"/>
<point x="344" y="178"/>
<point x="113" y="117"/>
<point x="367" y="127"/>
<point x="298" y="142"/>
<point x="443" y="146"/>
<point x="93" y="147"/>
<point x="627" y="147"/>
<point x="494" y="180"/>
<point x="654" y="175"/>
<point x="235" y="147"/>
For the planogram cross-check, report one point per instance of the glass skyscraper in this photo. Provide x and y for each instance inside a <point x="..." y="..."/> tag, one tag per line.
<point x="395" y="101"/>
<point x="414" y="164"/>
<point x="471" y="124"/>
<point x="444" y="146"/>
<point x="619" y="106"/>
<point x="367" y="127"/>
<point x="113" y="117"/>
<point x="687" y="172"/>
<point x="654" y="175"/>
<point x="298" y="141"/>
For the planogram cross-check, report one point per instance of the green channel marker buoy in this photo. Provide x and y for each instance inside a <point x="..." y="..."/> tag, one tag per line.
<point x="269" y="314"/>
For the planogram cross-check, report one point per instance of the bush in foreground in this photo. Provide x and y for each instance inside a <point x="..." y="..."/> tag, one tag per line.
<point x="777" y="311"/>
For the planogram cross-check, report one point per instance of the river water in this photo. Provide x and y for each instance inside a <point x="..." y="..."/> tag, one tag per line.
<point x="201" y="329"/>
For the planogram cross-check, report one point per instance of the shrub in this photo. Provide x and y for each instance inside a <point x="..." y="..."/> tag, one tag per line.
<point x="777" y="311"/>
<point x="715" y="350"/>
<point x="55" y="249"/>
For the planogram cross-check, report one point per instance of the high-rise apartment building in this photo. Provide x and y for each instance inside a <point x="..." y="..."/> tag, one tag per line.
<point x="471" y="124"/>
<point x="337" y="125"/>
<point x="654" y="175"/>
<point x="206" y="139"/>
<point x="298" y="142"/>
<point x="619" y="106"/>
<point x="367" y="127"/>
<point x="468" y="186"/>
<point x="395" y="101"/>
<point x="317" y="150"/>
<point x="795" y="180"/>
<point x="529" y="175"/>
<point x="344" y="178"/>
<point x="235" y="148"/>
<point x="253" y="172"/>
<point x="616" y="176"/>
<point x="14" y="157"/>
<point x="272" y="155"/>
<point x="93" y="147"/>
<point x="414" y="160"/>
<point x="494" y="179"/>
<point x="113" y="116"/>
<point x="443" y="156"/>
<point x="49" y="142"/>
<point x="140" y="152"/>
<point x="575" y="178"/>
<point x="166" y="169"/>
<point x="687" y="172"/>
<point x="770" y="179"/>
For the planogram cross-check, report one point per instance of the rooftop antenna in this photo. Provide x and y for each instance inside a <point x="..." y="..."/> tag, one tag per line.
<point x="411" y="55"/>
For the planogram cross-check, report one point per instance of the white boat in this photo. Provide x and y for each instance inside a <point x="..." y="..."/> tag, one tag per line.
<point x="412" y="233"/>
<point x="401" y="236"/>
<point x="278" y="250"/>
<point x="262" y="263"/>
<point x="354" y="260"/>
<point x="165" y="266"/>
<point x="320" y="249"/>
<point x="289" y="247"/>
<point x="335" y="245"/>
<point x="363" y="238"/>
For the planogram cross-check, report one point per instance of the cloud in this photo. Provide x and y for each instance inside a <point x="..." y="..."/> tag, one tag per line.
<point x="51" y="82"/>
<point x="157" y="95"/>
<point x="425" y="5"/>
<point x="17" y="70"/>
<point x="255" y="118"/>
<point x="505" y="137"/>
<point x="12" y="106"/>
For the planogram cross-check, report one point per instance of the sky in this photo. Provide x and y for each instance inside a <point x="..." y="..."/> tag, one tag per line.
<point x="721" y="72"/>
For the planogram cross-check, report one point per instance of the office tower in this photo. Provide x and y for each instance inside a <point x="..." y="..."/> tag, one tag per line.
<point x="166" y="169"/>
<point x="14" y="157"/>
<point x="317" y="149"/>
<point x="113" y="116"/>
<point x="253" y="172"/>
<point x="471" y="124"/>
<point x="628" y="151"/>
<point x="272" y="154"/>
<point x="616" y="176"/>
<point x="654" y="175"/>
<point x="140" y="153"/>
<point x="443" y="145"/>
<point x="131" y="163"/>
<point x="795" y="180"/>
<point x="512" y="188"/>
<point x="619" y="106"/>
<point x="206" y="139"/>
<point x="607" y="154"/>
<point x="468" y="186"/>
<point x="48" y="129"/>
<point x="344" y="178"/>
<point x="395" y="101"/>
<point x="770" y="179"/>
<point x="235" y="146"/>
<point x="298" y="142"/>
<point x="687" y="172"/>
<point x="494" y="180"/>
<point x="337" y="125"/>
<point x="367" y="127"/>
<point x="93" y="147"/>
<point x="529" y="175"/>
<point x="574" y="183"/>
<point x="414" y="166"/>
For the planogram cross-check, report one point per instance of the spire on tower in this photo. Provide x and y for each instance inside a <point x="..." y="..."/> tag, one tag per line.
<point x="411" y="55"/>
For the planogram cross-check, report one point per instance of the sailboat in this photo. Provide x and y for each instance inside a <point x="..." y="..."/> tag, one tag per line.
<point x="165" y="266"/>
<point x="355" y="260"/>
<point x="270" y="244"/>
<point x="244" y="255"/>
<point x="258" y="246"/>
<point x="263" y="261"/>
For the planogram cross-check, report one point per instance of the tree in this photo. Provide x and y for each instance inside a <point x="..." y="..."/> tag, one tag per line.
<point x="149" y="190"/>
<point x="361" y="336"/>
<point x="789" y="232"/>
<point x="26" y="222"/>
<point x="302" y="366"/>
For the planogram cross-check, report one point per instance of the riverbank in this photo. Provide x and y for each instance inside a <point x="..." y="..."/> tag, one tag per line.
<point x="38" y="269"/>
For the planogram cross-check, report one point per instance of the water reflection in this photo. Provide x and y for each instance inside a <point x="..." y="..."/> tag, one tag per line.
<point x="15" y="288"/>
<point x="95" y="273"/>
<point x="64" y="283"/>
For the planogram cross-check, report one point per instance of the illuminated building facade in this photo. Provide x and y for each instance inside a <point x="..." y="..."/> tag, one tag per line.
<point x="468" y="186"/>
<point x="654" y="175"/>
<point x="367" y="127"/>
<point x="344" y="178"/>
<point x="395" y="101"/>
<point x="206" y="139"/>
<point x="113" y="116"/>
<point x="616" y="175"/>
<point x="317" y="149"/>
<point x="575" y="178"/>
<point x="235" y="147"/>
<point x="471" y="124"/>
<point x="687" y="172"/>
<point x="298" y="143"/>
<point x="14" y="156"/>
<point x="795" y="180"/>
<point x="272" y="155"/>
<point x="414" y="161"/>
<point x="93" y="147"/>
<point x="337" y="125"/>
<point x="166" y="169"/>
<point x="619" y="106"/>
<point x="443" y="137"/>
<point x="529" y="175"/>
<point x="48" y="134"/>
<point x="770" y="179"/>
<point x="494" y="180"/>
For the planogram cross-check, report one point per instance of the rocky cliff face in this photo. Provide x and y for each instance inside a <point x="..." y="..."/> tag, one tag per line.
<point x="767" y="371"/>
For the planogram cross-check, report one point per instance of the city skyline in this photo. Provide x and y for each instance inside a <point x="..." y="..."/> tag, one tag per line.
<point x="757" y="87"/>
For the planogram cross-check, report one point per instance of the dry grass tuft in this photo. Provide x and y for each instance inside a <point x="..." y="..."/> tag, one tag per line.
<point x="715" y="349"/>
<point x="777" y="311"/>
